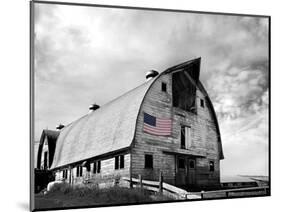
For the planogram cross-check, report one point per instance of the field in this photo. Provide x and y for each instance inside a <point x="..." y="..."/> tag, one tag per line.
<point x="64" y="196"/>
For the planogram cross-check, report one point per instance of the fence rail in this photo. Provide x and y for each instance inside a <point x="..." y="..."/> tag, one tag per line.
<point x="161" y="187"/>
<point x="233" y="192"/>
<point x="178" y="193"/>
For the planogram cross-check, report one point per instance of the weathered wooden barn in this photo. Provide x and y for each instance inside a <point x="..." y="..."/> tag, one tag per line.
<point x="167" y="124"/>
<point x="46" y="149"/>
<point x="45" y="155"/>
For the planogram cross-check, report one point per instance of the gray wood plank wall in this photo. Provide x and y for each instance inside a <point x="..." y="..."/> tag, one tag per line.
<point x="203" y="135"/>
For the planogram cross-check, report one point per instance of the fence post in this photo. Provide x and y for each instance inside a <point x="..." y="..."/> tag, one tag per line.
<point x="140" y="180"/>
<point x="131" y="182"/>
<point x="70" y="177"/>
<point x="160" y="182"/>
<point x="202" y="194"/>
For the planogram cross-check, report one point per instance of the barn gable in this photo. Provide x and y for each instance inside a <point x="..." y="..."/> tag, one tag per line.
<point x="187" y="76"/>
<point x="48" y="139"/>
<point x="166" y="152"/>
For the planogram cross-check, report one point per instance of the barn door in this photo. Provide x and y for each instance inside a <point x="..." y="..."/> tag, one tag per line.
<point x="181" y="171"/>
<point x="191" y="180"/>
<point x="185" y="172"/>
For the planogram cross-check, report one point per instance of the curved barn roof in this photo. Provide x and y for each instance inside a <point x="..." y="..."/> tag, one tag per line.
<point x="111" y="127"/>
<point x="107" y="129"/>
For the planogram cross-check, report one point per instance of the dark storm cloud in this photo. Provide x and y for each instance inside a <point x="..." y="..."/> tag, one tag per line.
<point x="85" y="55"/>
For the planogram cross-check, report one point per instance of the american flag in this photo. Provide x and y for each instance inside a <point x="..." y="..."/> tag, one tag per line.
<point x="156" y="126"/>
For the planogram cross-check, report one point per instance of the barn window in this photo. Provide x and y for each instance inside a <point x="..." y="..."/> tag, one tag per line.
<point x="96" y="167"/>
<point x="79" y="171"/>
<point x="88" y="167"/>
<point x="191" y="164"/>
<point x="185" y="137"/>
<point x="99" y="167"/>
<point x="212" y="166"/>
<point x="148" y="161"/>
<point x="164" y="87"/>
<point x="119" y="162"/>
<point x="64" y="174"/>
<point x="202" y="103"/>
<point x="45" y="160"/>
<point x="181" y="163"/>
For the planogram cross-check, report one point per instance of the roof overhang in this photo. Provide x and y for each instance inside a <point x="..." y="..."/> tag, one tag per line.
<point x="184" y="152"/>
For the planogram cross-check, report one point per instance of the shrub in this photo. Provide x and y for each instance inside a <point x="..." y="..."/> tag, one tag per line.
<point x="61" y="187"/>
<point x="91" y="195"/>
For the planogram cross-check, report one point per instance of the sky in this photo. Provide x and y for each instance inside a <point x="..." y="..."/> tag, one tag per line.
<point x="86" y="55"/>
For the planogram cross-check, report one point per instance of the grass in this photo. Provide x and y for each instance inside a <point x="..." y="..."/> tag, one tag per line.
<point x="63" y="195"/>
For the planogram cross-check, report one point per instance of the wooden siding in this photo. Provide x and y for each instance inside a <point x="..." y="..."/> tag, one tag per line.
<point x="107" y="171"/>
<point x="204" y="138"/>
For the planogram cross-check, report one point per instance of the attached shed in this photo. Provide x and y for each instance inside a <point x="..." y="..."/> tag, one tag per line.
<point x="167" y="124"/>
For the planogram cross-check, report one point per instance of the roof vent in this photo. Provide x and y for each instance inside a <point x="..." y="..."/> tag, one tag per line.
<point x="59" y="127"/>
<point x="93" y="107"/>
<point x="151" y="74"/>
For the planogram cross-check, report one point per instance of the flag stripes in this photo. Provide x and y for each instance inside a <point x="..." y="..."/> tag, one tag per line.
<point x="157" y="126"/>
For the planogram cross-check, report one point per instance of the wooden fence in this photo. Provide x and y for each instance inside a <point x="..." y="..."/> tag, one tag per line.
<point x="177" y="193"/>
<point x="159" y="186"/>
<point x="237" y="192"/>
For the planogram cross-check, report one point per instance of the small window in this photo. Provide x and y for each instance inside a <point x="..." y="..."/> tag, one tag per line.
<point x="88" y="167"/>
<point x="185" y="137"/>
<point x="121" y="161"/>
<point x="45" y="160"/>
<point x="99" y="167"/>
<point x="79" y="171"/>
<point x="64" y="174"/>
<point x="202" y="103"/>
<point x="164" y="87"/>
<point x="117" y="162"/>
<point x="191" y="164"/>
<point x="212" y="166"/>
<point x="148" y="161"/>
<point x="181" y="163"/>
<point x="95" y="168"/>
<point x="182" y="137"/>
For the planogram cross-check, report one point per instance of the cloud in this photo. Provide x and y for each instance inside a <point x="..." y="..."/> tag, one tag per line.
<point x="87" y="54"/>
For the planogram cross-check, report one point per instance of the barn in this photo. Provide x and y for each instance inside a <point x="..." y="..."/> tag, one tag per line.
<point x="167" y="124"/>
<point x="46" y="149"/>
